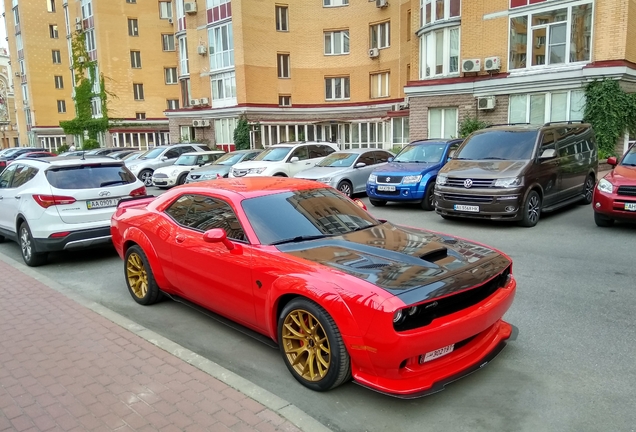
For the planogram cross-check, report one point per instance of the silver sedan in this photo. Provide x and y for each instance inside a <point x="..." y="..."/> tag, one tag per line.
<point x="347" y="170"/>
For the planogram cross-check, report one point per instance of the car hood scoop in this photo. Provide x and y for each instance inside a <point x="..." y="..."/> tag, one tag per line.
<point x="402" y="260"/>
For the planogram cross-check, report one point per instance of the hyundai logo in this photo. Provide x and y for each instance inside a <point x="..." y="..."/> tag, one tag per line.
<point x="468" y="183"/>
<point x="104" y="193"/>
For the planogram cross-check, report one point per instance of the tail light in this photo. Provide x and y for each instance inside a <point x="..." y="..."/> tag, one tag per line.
<point x="47" y="201"/>
<point x="138" y="192"/>
<point x="3" y="163"/>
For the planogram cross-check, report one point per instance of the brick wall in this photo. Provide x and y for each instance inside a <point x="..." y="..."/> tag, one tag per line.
<point x="202" y="134"/>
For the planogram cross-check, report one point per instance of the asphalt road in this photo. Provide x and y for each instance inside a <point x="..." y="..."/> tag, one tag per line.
<point x="572" y="367"/>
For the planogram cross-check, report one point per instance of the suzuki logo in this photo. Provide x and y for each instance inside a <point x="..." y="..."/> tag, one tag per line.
<point x="388" y="179"/>
<point x="468" y="183"/>
<point x="104" y="193"/>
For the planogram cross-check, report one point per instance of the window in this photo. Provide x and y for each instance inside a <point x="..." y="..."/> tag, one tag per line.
<point x="224" y="85"/>
<point x="540" y="108"/>
<point x="319" y="150"/>
<point x="400" y="127"/>
<point x="133" y="29"/>
<point x="282" y="18"/>
<point x="224" y="130"/>
<point x="135" y="59"/>
<point x="203" y="213"/>
<point x="438" y="10"/>
<point x="284" y="100"/>
<point x="167" y="42"/>
<point x="283" y="66"/>
<point x="183" y="56"/>
<point x="50" y="5"/>
<point x="165" y="10"/>
<point x="140" y="116"/>
<point x="337" y="88"/>
<point x="90" y="40"/>
<point x="442" y="122"/>
<point x="380" y="85"/>
<point x="53" y="31"/>
<point x="408" y="25"/>
<point x="439" y="54"/>
<point x="551" y="36"/>
<point x="61" y="106"/>
<point x="332" y="3"/>
<point x="59" y="82"/>
<point x="89" y="176"/>
<point x="381" y="35"/>
<point x="337" y="42"/>
<point x="221" y="43"/>
<point x="173" y="104"/>
<point x="7" y="176"/>
<point x="185" y="92"/>
<point x="171" y="75"/>
<point x="138" y="90"/>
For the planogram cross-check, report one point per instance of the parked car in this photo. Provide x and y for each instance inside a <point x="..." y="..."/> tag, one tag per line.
<point x="145" y="165"/>
<point x="400" y="310"/>
<point x="176" y="174"/>
<point x="222" y="166"/>
<point x="284" y="160"/>
<point x="615" y="194"/>
<point x="72" y="153"/>
<point x="410" y="177"/>
<point x="132" y="156"/>
<point x="347" y="170"/>
<point x="14" y="152"/>
<point x="54" y="204"/>
<point x="121" y="154"/>
<point x="104" y="151"/>
<point x="516" y="172"/>
<point x="35" y="155"/>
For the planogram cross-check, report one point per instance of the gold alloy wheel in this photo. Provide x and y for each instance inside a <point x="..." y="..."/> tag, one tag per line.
<point x="306" y="345"/>
<point x="137" y="275"/>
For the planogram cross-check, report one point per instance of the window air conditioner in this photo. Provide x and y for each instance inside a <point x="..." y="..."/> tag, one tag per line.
<point x="492" y="63"/>
<point x="17" y="74"/>
<point x="486" y="103"/>
<point x="471" y="65"/>
<point x="190" y="7"/>
<point x="81" y="59"/>
<point x="78" y="26"/>
<point x="202" y="49"/>
<point x="195" y="102"/>
<point x="170" y="21"/>
<point x="381" y="3"/>
<point x="204" y="101"/>
<point x="374" y="52"/>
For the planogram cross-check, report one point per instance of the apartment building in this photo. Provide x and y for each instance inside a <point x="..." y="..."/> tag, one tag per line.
<point x="513" y="61"/>
<point x="8" y="120"/>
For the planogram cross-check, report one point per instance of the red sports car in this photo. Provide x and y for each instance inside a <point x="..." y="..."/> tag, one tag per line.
<point x="615" y="194"/>
<point x="400" y="310"/>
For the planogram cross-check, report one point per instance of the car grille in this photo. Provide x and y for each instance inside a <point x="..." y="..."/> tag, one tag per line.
<point x="239" y="173"/>
<point x="389" y="179"/>
<point x="468" y="198"/>
<point x="626" y="190"/>
<point x="160" y="175"/>
<point x="476" y="183"/>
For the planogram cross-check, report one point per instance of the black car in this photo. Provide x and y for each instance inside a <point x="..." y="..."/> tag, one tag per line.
<point x="13" y="153"/>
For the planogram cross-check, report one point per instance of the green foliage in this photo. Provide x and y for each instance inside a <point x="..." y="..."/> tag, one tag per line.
<point x="90" y="143"/>
<point x="61" y="149"/>
<point x="611" y="112"/>
<point x="242" y="134"/>
<point x="470" y="125"/>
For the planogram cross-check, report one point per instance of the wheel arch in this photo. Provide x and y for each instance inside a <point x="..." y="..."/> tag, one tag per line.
<point x="135" y="237"/>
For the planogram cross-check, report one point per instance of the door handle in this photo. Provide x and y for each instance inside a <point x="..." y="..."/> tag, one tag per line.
<point x="18" y="197"/>
<point x="179" y="239"/>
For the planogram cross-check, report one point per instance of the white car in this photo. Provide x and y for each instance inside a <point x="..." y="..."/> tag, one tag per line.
<point x="284" y="160"/>
<point x="53" y="204"/>
<point x="176" y="174"/>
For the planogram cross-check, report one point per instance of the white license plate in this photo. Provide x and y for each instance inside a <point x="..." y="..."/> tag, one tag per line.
<point x="437" y="353"/>
<point x="466" y="208"/>
<point x="386" y="188"/>
<point x="630" y="206"/>
<point x="102" y="203"/>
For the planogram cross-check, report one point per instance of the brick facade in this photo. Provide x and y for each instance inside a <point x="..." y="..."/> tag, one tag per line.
<point x="201" y="134"/>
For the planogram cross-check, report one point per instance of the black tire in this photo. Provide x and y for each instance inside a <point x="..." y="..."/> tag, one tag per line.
<point x="139" y="278"/>
<point x="377" y="203"/>
<point x="346" y="188"/>
<point x="146" y="177"/>
<point x="334" y="356"/>
<point x="588" y="190"/>
<point x="182" y="178"/>
<point x="30" y="255"/>
<point x="531" y="210"/>
<point x="602" y="220"/>
<point x="2" y="239"/>
<point x="428" y="202"/>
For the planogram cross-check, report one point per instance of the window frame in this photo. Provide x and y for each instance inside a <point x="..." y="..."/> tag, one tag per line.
<point x="135" y="59"/>
<point x="447" y="12"/>
<point x="443" y="124"/>
<point x="573" y="97"/>
<point x="61" y="106"/>
<point x="170" y="103"/>
<point x="165" y="38"/>
<point x="221" y="46"/>
<point x="284" y="100"/>
<point x="133" y="27"/>
<point x="138" y="92"/>
<point x="345" y="85"/>
<point x="56" y="55"/>
<point x="53" y="31"/>
<point x="59" y="82"/>
<point x="334" y="3"/>
<point x="171" y="75"/>
<point x="447" y="49"/>
<point x="344" y="36"/>
<point x="283" y="65"/>
<point x="165" y="6"/>
<point x="383" y="83"/>
<point x="380" y="35"/>
<point x="50" y="6"/>
<point x="223" y="78"/>
<point x="282" y="18"/>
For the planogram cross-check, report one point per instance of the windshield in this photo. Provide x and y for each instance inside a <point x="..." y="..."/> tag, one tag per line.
<point x="187" y="160"/>
<point x="11" y="152"/>
<point x="131" y="156"/>
<point x="630" y="157"/>
<point x="273" y="154"/>
<point x="152" y="153"/>
<point x="499" y="145"/>
<point x="312" y="213"/>
<point x="229" y="159"/>
<point x="89" y="176"/>
<point x="421" y="153"/>
<point x="338" y="160"/>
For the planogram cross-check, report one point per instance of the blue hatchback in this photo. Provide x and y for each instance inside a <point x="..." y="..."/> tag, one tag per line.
<point x="410" y="176"/>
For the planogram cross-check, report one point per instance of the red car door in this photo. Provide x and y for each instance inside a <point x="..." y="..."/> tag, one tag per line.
<point x="210" y="274"/>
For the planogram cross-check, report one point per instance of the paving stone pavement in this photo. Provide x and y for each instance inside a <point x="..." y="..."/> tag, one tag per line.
<point x="64" y="367"/>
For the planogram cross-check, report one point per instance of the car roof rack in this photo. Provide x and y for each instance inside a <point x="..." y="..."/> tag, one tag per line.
<point x="506" y="124"/>
<point x="564" y="122"/>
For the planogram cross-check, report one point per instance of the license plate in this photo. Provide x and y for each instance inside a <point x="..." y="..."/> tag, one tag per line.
<point x="386" y="188"/>
<point x="630" y="206"/>
<point x="466" y="208"/>
<point x="437" y="353"/>
<point x="102" y="203"/>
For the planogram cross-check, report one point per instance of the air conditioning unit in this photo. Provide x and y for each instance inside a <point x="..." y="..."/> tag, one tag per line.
<point x="486" y="103"/>
<point x="492" y="63"/>
<point x="204" y="101"/>
<point x="195" y="102"/>
<point x="81" y="59"/>
<point x="374" y="52"/>
<point x="202" y="49"/>
<point x="190" y="7"/>
<point x="78" y="20"/>
<point x="17" y="74"/>
<point x="170" y="21"/>
<point x="78" y="26"/>
<point x="471" y="65"/>
<point x="381" y="3"/>
<point x="200" y="123"/>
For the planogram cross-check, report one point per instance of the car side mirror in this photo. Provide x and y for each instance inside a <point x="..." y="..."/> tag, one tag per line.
<point x="164" y="158"/>
<point x="390" y="159"/>
<point x="360" y="165"/>
<point x="548" y="154"/>
<point x="612" y="161"/>
<point x="294" y="159"/>
<point x="217" y="235"/>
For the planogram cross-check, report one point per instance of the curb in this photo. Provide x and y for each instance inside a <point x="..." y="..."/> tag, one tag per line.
<point x="280" y="406"/>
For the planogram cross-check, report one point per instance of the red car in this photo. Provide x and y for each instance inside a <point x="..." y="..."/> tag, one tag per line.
<point x="400" y="310"/>
<point x="615" y="194"/>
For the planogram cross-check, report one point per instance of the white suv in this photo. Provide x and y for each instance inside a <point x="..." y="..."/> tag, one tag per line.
<point x="284" y="160"/>
<point x="176" y="174"/>
<point x="52" y="204"/>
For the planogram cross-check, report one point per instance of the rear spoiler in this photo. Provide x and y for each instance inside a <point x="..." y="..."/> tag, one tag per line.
<point x="136" y="201"/>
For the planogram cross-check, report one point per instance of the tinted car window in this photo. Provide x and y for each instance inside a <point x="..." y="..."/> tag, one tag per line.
<point x="207" y="213"/>
<point x="273" y="154"/>
<point x="89" y="176"/>
<point x="499" y="144"/>
<point x="6" y="176"/>
<point x="22" y="175"/>
<point x="251" y="156"/>
<point x="203" y="147"/>
<point x="367" y="159"/>
<point x="381" y="157"/>
<point x="340" y="159"/>
<point x="301" y="153"/>
<point x="179" y="209"/>
<point x="422" y="153"/>
<point x="313" y="212"/>
<point x="172" y="154"/>
<point x="316" y="151"/>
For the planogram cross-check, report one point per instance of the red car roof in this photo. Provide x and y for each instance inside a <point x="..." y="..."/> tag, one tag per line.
<point x="250" y="187"/>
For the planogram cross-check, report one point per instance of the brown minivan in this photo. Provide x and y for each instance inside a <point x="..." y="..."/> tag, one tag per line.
<point x="515" y="172"/>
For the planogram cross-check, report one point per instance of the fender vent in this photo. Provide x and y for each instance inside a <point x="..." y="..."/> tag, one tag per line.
<point x="435" y="255"/>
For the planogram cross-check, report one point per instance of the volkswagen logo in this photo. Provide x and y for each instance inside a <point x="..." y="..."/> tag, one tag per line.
<point x="104" y="193"/>
<point x="468" y="183"/>
<point x="388" y="179"/>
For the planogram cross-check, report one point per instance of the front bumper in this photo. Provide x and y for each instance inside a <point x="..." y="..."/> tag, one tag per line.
<point x="613" y="205"/>
<point x="410" y="192"/>
<point x="164" y="181"/>
<point x="80" y="239"/>
<point x="484" y="203"/>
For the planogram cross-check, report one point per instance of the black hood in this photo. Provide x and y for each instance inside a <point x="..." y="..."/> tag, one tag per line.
<point x="415" y="265"/>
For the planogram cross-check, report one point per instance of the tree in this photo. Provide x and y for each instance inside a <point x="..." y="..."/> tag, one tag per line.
<point x="242" y="134"/>
<point x="470" y="125"/>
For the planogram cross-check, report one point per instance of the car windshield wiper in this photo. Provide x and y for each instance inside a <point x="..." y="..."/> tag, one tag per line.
<point x="493" y="158"/>
<point x="298" y="239"/>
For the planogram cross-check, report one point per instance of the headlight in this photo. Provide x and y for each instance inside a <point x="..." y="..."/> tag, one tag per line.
<point x="373" y="178"/>
<point x="509" y="182"/>
<point x="605" y="186"/>
<point x="441" y="180"/>
<point x="174" y="173"/>
<point x="410" y="179"/>
<point x="256" y="170"/>
<point x="325" y="180"/>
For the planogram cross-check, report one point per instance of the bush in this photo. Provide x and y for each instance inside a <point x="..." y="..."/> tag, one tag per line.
<point x="242" y="134"/>
<point x="61" y="149"/>
<point x="470" y="125"/>
<point x="90" y="144"/>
